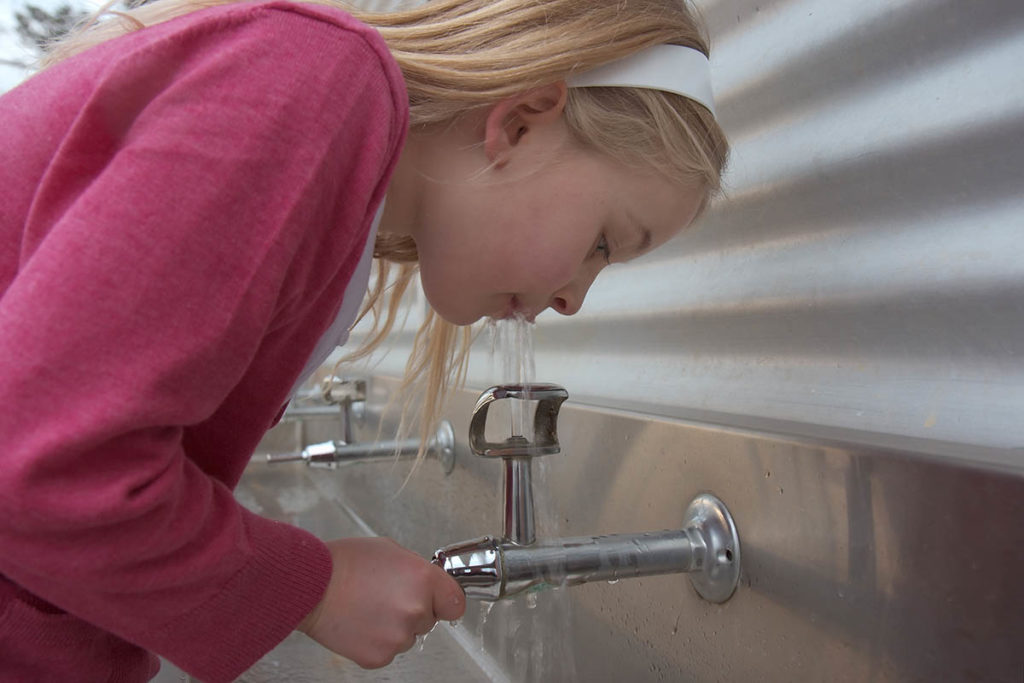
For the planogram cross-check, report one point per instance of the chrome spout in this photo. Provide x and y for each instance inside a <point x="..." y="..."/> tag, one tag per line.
<point x="707" y="548"/>
<point x="518" y="450"/>
<point x="333" y="454"/>
<point x="476" y="565"/>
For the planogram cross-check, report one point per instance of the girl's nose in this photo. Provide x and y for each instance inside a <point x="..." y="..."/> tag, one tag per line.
<point x="569" y="299"/>
<point x="566" y="304"/>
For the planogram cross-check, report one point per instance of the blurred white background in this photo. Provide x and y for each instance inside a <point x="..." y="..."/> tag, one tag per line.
<point x="17" y="54"/>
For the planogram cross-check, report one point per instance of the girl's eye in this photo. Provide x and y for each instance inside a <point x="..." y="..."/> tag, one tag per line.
<point x="603" y="248"/>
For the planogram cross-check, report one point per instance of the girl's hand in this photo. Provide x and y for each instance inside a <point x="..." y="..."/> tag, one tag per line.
<point x="380" y="597"/>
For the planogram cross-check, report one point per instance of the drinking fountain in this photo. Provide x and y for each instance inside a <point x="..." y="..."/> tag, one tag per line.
<point x="334" y="398"/>
<point x="346" y="398"/>
<point x="707" y="546"/>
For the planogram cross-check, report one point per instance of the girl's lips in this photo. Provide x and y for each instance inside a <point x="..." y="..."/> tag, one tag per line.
<point x="514" y="309"/>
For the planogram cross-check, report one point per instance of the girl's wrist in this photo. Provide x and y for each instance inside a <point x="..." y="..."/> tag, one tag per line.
<point x="309" y="623"/>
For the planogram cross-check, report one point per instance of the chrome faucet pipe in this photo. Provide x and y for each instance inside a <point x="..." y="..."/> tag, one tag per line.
<point x="491" y="570"/>
<point x="333" y="454"/>
<point x="339" y="452"/>
<point x="707" y="547"/>
<point x="293" y="413"/>
<point x="518" y="499"/>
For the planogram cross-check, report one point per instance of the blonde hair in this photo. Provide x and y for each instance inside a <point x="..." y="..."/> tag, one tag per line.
<point x="461" y="55"/>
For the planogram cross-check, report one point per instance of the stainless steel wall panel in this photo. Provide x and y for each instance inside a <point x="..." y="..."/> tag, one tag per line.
<point x="859" y="563"/>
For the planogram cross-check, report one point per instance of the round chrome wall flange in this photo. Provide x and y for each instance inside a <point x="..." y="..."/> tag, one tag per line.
<point x="718" y="573"/>
<point x="444" y="445"/>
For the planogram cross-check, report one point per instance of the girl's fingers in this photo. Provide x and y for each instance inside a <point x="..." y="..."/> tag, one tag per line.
<point x="449" y="598"/>
<point x="426" y="627"/>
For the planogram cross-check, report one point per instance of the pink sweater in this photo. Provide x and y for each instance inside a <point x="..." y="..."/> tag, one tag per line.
<point x="181" y="210"/>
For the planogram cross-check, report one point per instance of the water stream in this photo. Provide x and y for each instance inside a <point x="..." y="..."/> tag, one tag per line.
<point x="529" y="634"/>
<point x="512" y="363"/>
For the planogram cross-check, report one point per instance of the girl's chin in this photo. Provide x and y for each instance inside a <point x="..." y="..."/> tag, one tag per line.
<point x="459" y="317"/>
<point x="453" y="315"/>
<point x="460" y="320"/>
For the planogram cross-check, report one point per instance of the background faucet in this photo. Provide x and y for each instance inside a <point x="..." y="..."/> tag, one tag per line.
<point x="334" y="398"/>
<point x="492" y="568"/>
<point x="333" y="454"/>
<point x="346" y="399"/>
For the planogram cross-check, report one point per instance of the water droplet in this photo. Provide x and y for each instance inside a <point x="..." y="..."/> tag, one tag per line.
<point x="485" y="611"/>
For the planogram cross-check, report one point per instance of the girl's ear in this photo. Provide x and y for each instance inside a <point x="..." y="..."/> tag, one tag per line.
<point x="512" y="118"/>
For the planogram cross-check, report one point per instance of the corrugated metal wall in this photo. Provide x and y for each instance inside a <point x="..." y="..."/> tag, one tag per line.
<point x="865" y="269"/>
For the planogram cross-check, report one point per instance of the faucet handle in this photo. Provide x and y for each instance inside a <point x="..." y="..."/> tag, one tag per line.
<point x="549" y="398"/>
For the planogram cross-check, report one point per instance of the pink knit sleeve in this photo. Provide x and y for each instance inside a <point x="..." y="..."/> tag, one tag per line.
<point x="165" y="252"/>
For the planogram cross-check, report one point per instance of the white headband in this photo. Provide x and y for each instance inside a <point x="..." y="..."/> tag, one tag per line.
<point x="672" y="68"/>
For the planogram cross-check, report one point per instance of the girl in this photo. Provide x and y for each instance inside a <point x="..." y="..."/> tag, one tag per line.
<point x="191" y="196"/>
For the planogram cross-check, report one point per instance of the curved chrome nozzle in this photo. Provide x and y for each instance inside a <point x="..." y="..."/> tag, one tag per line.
<point x="476" y="565"/>
<point x="549" y="398"/>
<point x="518" y="450"/>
